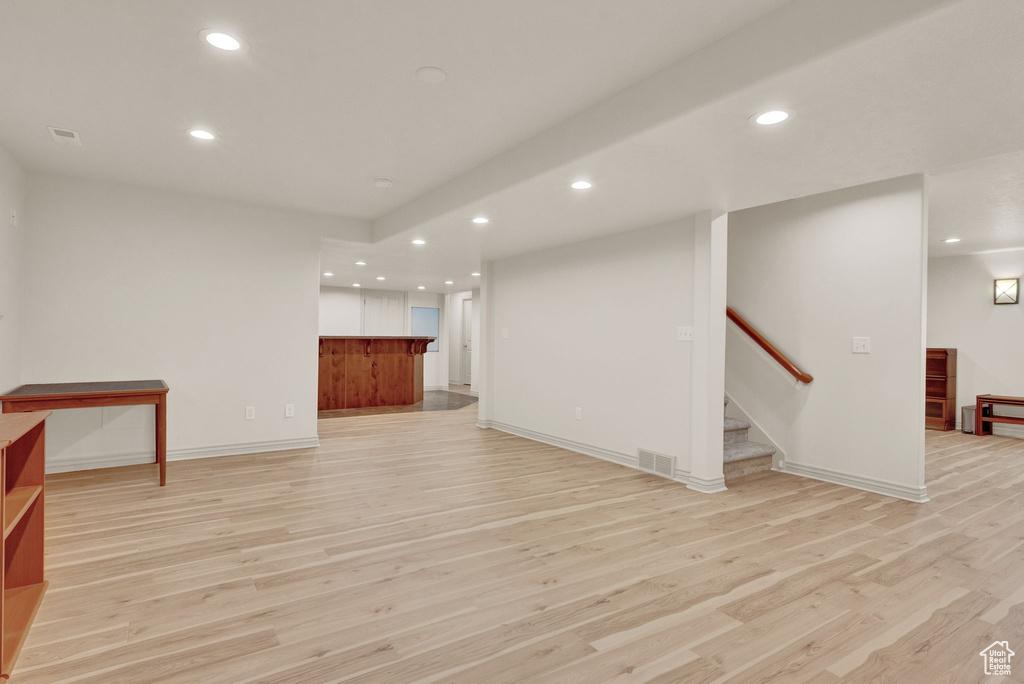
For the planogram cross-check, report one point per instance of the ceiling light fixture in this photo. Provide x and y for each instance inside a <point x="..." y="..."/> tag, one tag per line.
<point x="950" y="241"/>
<point x="474" y="274"/>
<point x="360" y="263"/>
<point x="481" y="220"/>
<point x="581" y="185"/>
<point x="328" y="274"/>
<point x="431" y="74"/>
<point x="421" y="287"/>
<point x="417" y="241"/>
<point x="449" y="282"/>
<point x="201" y="134"/>
<point x="221" y="40"/>
<point x="380" y="277"/>
<point x="771" y="118"/>
<point x="382" y="182"/>
<point x="355" y="285"/>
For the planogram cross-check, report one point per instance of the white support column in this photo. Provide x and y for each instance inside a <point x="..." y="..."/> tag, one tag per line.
<point x="484" y="347"/>
<point x="710" y="257"/>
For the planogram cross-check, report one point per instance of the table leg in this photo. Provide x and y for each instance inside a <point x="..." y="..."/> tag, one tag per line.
<point x="979" y="426"/>
<point x="161" y="437"/>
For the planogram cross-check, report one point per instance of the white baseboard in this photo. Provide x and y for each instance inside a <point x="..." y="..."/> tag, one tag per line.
<point x="868" y="484"/>
<point x="704" y="486"/>
<point x="75" y="463"/>
<point x="628" y="460"/>
<point x="474" y="393"/>
<point x="435" y="388"/>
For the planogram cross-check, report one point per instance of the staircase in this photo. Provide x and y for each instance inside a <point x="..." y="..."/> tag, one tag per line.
<point x="743" y="457"/>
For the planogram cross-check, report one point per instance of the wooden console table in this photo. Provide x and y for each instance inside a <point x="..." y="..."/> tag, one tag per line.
<point x="991" y="401"/>
<point x="89" y="394"/>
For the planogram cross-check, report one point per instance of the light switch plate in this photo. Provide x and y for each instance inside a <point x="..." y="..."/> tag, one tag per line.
<point x="684" y="333"/>
<point x="504" y="333"/>
<point x="861" y="345"/>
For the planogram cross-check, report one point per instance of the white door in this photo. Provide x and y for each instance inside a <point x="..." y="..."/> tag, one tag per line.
<point x="384" y="313"/>
<point x="467" y="341"/>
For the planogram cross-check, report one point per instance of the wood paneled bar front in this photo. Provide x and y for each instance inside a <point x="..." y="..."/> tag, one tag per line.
<point x="356" y="372"/>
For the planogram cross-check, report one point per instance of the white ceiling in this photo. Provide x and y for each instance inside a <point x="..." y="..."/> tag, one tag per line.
<point x="648" y="99"/>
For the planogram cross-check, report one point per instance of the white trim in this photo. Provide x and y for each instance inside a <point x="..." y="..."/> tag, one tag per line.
<point x="474" y="393"/>
<point x="868" y="484"/>
<point x="712" y="486"/>
<point x="628" y="460"/>
<point x="76" y="463"/>
<point x="435" y="388"/>
<point x="240" y="449"/>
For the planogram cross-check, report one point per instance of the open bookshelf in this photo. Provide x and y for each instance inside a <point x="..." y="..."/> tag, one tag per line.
<point x="22" y="449"/>
<point x="940" y="389"/>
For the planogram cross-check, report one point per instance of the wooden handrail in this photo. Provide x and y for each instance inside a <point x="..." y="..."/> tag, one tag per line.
<point x="768" y="347"/>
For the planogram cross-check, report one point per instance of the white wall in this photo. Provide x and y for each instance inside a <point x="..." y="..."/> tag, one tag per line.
<point x="988" y="338"/>
<point x="810" y="274"/>
<point x="12" y="198"/>
<point x="341" y="314"/>
<point x="341" y="311"/>
<point x="593" y="325"/>
<point x="217" y="298"/>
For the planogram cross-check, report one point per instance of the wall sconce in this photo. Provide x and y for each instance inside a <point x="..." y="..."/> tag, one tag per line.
<point x="1007" y="291"/>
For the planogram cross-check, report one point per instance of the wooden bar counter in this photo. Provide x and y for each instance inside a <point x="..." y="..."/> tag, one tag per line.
<point x="356" y="372"/>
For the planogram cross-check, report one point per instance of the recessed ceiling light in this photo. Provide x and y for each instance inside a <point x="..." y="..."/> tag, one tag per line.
<point x="360" y="263"/>
<point x="355" y="285"/>
<point x="771" y="118"/>
<point x="221" y="40"/>
<point x="481" y="220"/>
<point x="419" y="242"/>
<point x="328" y="274"/>
<point x="449" y="282"/>
<point x="581" y="185"/>
<point x="201" y="134"/>
<point x="382" y="182"/>
<point x="380" y="277"/>
<point x="421" y="287"/>
<point x="431" y="74"/>
<point x="474" y="274"/>
<point x="949" y="241"/>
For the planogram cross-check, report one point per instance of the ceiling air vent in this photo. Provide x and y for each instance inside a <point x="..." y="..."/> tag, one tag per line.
<point x="64" y="136"/>
<point x="657" y="464"/>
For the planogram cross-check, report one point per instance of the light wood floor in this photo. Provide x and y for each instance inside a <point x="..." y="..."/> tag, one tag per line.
<point x="418" y="548"/>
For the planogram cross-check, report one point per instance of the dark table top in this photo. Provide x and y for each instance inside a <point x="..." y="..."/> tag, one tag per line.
<point x="54" y="388"/>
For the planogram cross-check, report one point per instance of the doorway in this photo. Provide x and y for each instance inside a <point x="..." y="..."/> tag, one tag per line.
<point x="466" y="358"/>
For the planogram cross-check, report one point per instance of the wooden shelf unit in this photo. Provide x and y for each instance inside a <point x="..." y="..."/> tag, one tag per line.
<point x="22" y="451"/>
<point x="940" y="389"/>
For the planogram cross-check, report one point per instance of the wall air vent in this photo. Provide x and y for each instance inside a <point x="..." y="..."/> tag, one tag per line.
<point x="64" y="136"/>
<point x="655" y="463"/>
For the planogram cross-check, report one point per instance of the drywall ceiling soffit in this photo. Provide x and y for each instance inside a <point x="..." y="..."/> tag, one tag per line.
<point x="799" y="33"/>
<point x="914" y="99"/>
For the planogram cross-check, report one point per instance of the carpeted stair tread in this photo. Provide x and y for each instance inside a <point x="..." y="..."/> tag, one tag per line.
<point x="736" y="424"/>
<point x="742" y="451"/>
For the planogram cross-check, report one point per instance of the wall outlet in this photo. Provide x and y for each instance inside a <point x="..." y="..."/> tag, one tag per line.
<point x="289" y="410"/>
<point x="684" y="333"/>
<point x="504" y="333"/>
<point x="250" y="413"/>
<point x="579" y="413"/>
<point x="861" y="345"/>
